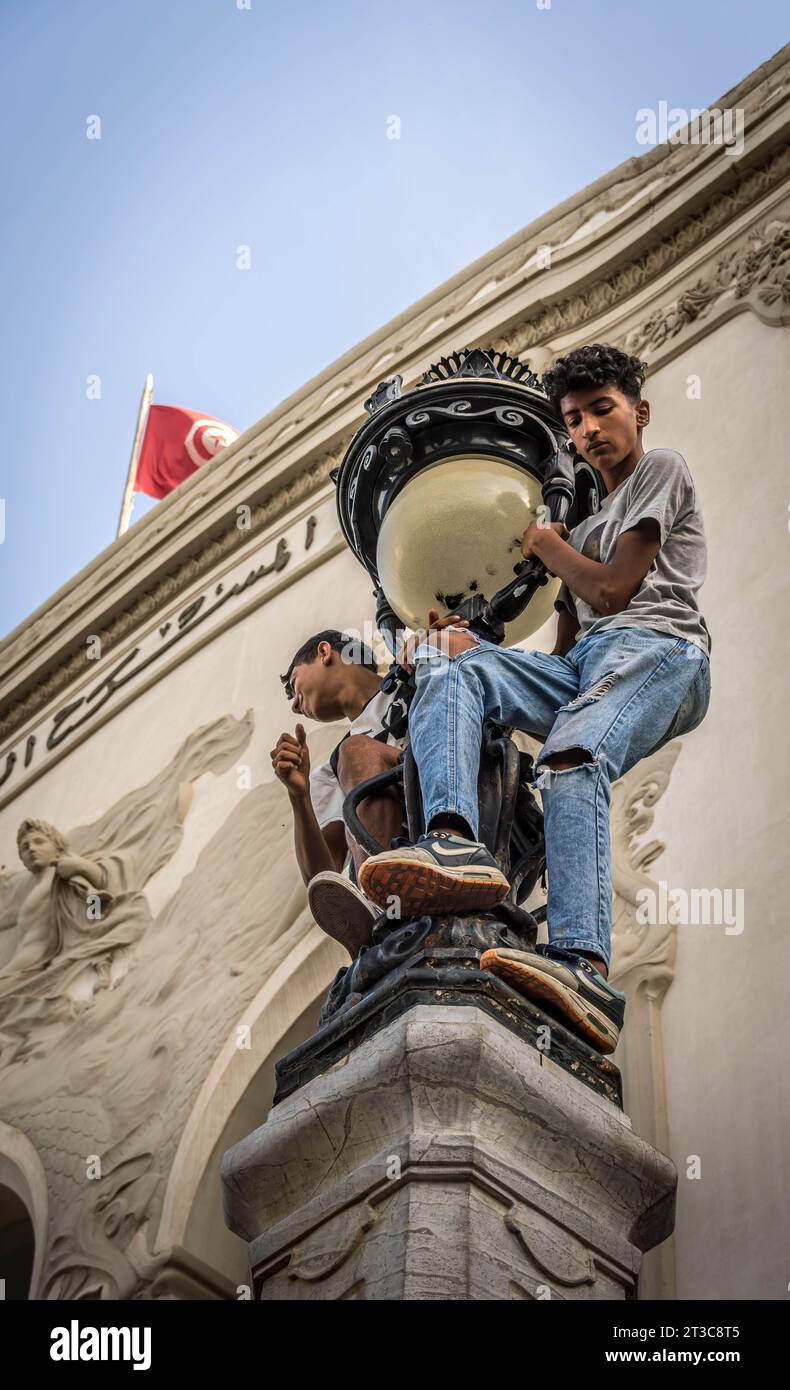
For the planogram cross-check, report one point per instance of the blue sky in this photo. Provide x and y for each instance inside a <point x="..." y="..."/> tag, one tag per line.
<point x="267" y="127"/>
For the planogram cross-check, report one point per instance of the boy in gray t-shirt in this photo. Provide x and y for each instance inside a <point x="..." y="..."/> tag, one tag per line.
<point x="628" y="672"/>
<point x="660" y="488"/>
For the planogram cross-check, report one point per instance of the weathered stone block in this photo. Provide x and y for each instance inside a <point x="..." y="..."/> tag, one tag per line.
<point x="447" y="1158"/>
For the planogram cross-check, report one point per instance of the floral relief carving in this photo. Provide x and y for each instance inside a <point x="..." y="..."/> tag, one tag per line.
<point x="633" y="800"/>
<point x="758" y="270"/>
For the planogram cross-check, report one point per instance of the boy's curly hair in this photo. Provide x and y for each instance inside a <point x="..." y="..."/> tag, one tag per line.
<point x="594" y="365"/>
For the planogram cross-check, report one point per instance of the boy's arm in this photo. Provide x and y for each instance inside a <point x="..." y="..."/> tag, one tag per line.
<point x="660" y="493"/>
<point x="567" y="627"/>
<point x="335" y="835"/>
<point x="315" y="849"/>
<point x="608" y="588"/>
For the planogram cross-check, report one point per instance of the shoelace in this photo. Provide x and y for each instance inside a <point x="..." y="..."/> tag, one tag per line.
<point x="401" y="842"/>
<point x="556" y="952"/>
<point x="560" y="953"/>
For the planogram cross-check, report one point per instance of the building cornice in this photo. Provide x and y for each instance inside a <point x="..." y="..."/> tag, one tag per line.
<point x="609" y="242"/>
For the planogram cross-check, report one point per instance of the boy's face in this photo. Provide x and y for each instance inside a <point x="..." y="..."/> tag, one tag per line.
<point x="314" y="684"/>
<point x="604" y="424"/>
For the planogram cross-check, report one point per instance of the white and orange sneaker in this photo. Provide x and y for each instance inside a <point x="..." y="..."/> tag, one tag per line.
<point x="441" y="873"/>
<point x="568" y="984"/>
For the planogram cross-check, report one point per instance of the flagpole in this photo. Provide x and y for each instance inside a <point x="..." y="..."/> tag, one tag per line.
<point x="128" y="493"/>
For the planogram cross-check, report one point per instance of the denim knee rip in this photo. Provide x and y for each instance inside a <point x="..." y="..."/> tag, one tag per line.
<point x="427" y="651"/>
<point x="588" y="697"/>
<point x="544" y="774"/>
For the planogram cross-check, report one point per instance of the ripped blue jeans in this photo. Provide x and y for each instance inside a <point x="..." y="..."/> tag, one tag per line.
<point x="617" y="695"/>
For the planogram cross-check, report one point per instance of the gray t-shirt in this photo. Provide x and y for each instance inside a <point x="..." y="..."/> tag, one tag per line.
<point x="660" y="487"/>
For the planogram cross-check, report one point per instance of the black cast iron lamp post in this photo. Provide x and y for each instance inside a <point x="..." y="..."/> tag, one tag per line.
<point x="434" y="495"/>
<point x="439" y="485"/>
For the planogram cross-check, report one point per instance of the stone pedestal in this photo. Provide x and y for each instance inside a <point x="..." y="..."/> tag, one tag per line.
<point x="448" y="1157"/>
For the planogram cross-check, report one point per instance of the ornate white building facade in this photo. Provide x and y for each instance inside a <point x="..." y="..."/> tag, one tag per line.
<point x="138" y="1043"/>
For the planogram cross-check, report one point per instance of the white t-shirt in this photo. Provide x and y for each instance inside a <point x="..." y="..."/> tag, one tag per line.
<point x="326" y="793"/>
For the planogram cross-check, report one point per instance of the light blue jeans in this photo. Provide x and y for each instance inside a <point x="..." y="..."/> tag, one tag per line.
<point x="618" y="695"/>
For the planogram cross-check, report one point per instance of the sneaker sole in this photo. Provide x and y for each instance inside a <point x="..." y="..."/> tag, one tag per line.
<point x="429" y="888"/>
<point x="583" y="1016"/>
<point x="342" y="917"/>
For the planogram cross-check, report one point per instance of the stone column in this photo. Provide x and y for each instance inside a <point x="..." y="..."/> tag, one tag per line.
<point x="447" y="1156"/>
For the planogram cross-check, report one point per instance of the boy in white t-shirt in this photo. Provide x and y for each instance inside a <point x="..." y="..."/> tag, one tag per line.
<point x="333" y="677"/>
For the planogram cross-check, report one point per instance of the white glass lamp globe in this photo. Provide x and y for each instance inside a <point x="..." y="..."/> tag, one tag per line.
<point x="454" y="530"/>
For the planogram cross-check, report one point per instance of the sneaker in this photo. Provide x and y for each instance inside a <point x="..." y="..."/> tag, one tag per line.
<point x="569" y="984"/>
<point x="441" y="873"/>
<point x="341" y="910"/>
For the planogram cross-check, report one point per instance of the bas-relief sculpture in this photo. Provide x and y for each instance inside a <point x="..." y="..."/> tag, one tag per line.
<point x="107" y="1035"/>
<point x="79" y="906"/>
<point x="643" y="965"/>
<point x="76" y="918"/>
<point x="755" y="274"/>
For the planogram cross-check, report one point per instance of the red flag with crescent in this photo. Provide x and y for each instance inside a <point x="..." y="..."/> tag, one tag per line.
<point x="175" y="444"/>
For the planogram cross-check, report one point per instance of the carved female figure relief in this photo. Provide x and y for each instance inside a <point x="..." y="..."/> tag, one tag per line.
<point x="79" y="906"/>
<point x="76" y="921"/>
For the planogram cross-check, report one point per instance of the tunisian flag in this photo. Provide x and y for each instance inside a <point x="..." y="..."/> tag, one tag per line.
<point x="175" y="444"/>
